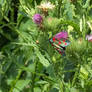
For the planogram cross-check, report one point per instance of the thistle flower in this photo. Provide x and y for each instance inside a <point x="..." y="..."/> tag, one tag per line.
<point x="37" y="18"/>
<point x="61" y="35"/>
<point x="89" y="38"/>
<point x="45" y="7"/>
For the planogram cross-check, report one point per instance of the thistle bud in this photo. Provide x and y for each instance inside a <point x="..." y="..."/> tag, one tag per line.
<point x="89" y="38"/>
<point x="37" y="18"/>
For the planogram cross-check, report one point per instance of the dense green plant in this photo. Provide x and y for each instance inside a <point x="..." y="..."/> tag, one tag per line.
<point x="28" y="62"/>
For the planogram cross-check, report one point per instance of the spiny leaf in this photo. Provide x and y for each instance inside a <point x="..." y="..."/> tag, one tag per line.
<point x="42" y="59"/>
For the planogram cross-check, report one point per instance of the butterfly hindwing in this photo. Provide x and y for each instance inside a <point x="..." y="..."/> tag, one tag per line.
<point x="63" y="42"/>
<point x="58" y="47"/>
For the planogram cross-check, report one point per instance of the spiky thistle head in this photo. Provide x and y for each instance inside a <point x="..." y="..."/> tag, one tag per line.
<point x="38" y="19"/>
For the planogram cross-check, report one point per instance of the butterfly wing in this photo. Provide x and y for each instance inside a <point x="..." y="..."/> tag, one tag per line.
<point x="58" y="47"/>
<point x="62" y="42"/>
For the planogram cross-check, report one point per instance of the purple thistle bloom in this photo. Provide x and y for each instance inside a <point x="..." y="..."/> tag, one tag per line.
<point x="37" y="18"/>
<point x="89" y="38"/>
<point x="61" y="35"/>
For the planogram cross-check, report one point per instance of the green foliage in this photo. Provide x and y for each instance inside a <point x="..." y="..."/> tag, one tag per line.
<point x="28" y="62"/>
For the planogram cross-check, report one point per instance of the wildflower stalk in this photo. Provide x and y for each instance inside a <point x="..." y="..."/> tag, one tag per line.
<point x="59" y="7"/>
<point x="15" y="81"/>
<point x="77" y="71"/>
<point x="35" y="3"/>
<point x="34" y="76"/>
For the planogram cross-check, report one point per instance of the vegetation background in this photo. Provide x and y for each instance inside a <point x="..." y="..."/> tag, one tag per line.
<point x="28" y="62"/>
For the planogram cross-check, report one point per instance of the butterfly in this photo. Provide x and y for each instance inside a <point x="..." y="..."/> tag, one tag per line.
<point x="60" y="43"/>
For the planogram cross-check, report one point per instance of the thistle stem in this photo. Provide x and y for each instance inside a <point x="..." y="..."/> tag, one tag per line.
<point x="59" y="7"/>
